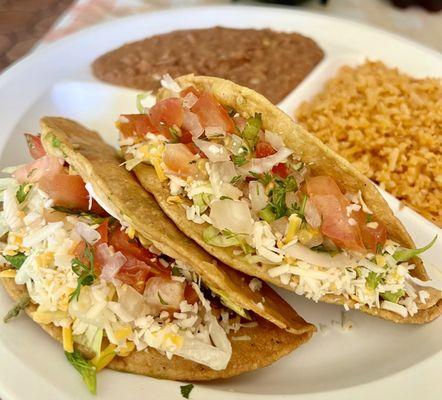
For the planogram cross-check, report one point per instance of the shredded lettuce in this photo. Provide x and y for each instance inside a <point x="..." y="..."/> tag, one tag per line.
<point x="393" y="297"/>
<point x="404" y="254"/>
<point x="251" y="130"/>
<point x="85" y="368"/>
<point x="373" y="279"/>
<point x="91" y="338"/>
<point x="16" y="260"/>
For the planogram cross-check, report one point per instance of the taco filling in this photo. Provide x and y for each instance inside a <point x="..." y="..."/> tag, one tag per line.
<point x="254" y="194"/>
<point x="106" y="289"/>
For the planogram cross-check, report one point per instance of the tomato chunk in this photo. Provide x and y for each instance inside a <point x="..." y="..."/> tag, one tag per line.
<point x="178" y="159"/>
<point x="34" y="171"/>
<point x="190" y="295"/>
<point x="373" y="235"/>
<point x="35" y="146"/>
<point x="168" y="111"/>
<point x="135" y="273"/>
<point x="131" y="125"/>
<point x="332" y="205"/>
<point x="190" y="89"/>
<point x="66" y="191"/>
<point x="281" y="170"/>
<point x="212" y="113"/>
<point x="121" y="242"/>
<point x="264" y="149"/>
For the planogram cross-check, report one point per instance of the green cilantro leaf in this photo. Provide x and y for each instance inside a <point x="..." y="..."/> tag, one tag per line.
<point x="84" y="271"/>
<point x="240" y="158"/>
<point x="17" y="308"/>
<point x="22" y="192"/>
<point x="162" y="301"/>
<point x="16" y="260"/>
<point x="185" y="390"/>
<point x="87" y="371"/>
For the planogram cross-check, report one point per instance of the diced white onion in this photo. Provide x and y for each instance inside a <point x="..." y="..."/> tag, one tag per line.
<point x="87" y="233"/>
<point x="394" y="307"/>
<point x="41" y="234"/>
<point x="257" y="195"/>
<point x="274" y="139"/>
<point x="232" y="215"/>
<point x="312" y="215"/>
<point x="112" y="262"/>
<point x="167" y="82"/>
<point x="214" y="131"/>
<point x="213" y="151"/>
<point x="265" y="164"/>
<point x="192" y="123"/>
<point x="189" y="100"/>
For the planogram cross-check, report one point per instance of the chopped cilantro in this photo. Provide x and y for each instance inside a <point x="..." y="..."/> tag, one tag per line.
<point x="17" y="308"/>
<point x="16" y="260"/>
<point x="22" y="192"/>
<point x="236" y="179"/>
<point x="277" y="196"/>
<point x="176" y="138"/>
<point x="240" y="158"/>
<point x="230" y="110"/>
<point x="56" y="142"/>
<point x="185" y="390"/>
<point x="225" y="198"/>
<point x="393" y="297"/>
<point x="373" y="280"/>
<point x="162" y="301"/>
<point x="84" y="271"/>
<point x="176" y="271"/>
<point x="368" y="218"/>
<point x="96" y="219"/>
<point x="264" y="178"/>
<point x="323" y="249"/>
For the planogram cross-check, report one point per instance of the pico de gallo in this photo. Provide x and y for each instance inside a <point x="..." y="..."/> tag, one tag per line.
<point x="91" y="276"/>
<point x="253" y="193"/>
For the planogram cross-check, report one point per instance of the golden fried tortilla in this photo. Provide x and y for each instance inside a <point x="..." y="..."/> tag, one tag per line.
<point x="321" y="160"/>
<point x="267" y="345"/>
<point x="280" y="329"/>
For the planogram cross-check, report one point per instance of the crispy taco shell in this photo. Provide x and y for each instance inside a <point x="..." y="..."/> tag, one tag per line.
<point x="267" y="345"/>
<point x="279" y="328"/>
<point x="321" y="160"/>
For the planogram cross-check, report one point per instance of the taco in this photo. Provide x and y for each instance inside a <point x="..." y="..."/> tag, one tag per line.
<point x="262" y="195"/>
<point x="99" y="266"/>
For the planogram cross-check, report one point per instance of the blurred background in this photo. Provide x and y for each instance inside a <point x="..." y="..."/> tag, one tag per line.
<point x="28" y="24"/>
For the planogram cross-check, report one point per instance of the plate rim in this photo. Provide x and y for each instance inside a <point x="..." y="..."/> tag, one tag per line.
<point x="10" y="71"/>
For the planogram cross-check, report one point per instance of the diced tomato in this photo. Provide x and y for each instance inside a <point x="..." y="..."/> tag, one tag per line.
<point x="103" y="230"/>
<point x="178" y="159"/>
<point x="33" y="172"/>
<point x="121" y="242"/>
<point x="66" y="190"/>
<point x="190" y="295"/>
<point x="212" y="113"/>
<point x="168" y="111"/>
<point x="135" y="273"/>
<point x="35" y="146"/>
<point x="137" y="125"/>
<point x="331" y="204"/>
<point x="190" y="89"/>
<point x="186" y="137"/>
<point x="281" y="170"/>
<point x="370" y="236"/>
<point x="264" y="149"/>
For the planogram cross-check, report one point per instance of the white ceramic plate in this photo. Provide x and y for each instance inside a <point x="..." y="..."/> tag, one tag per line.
<point x="375" y="359"/>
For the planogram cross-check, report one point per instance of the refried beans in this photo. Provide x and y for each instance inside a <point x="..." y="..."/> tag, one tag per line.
<point x="272" y="63"/>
